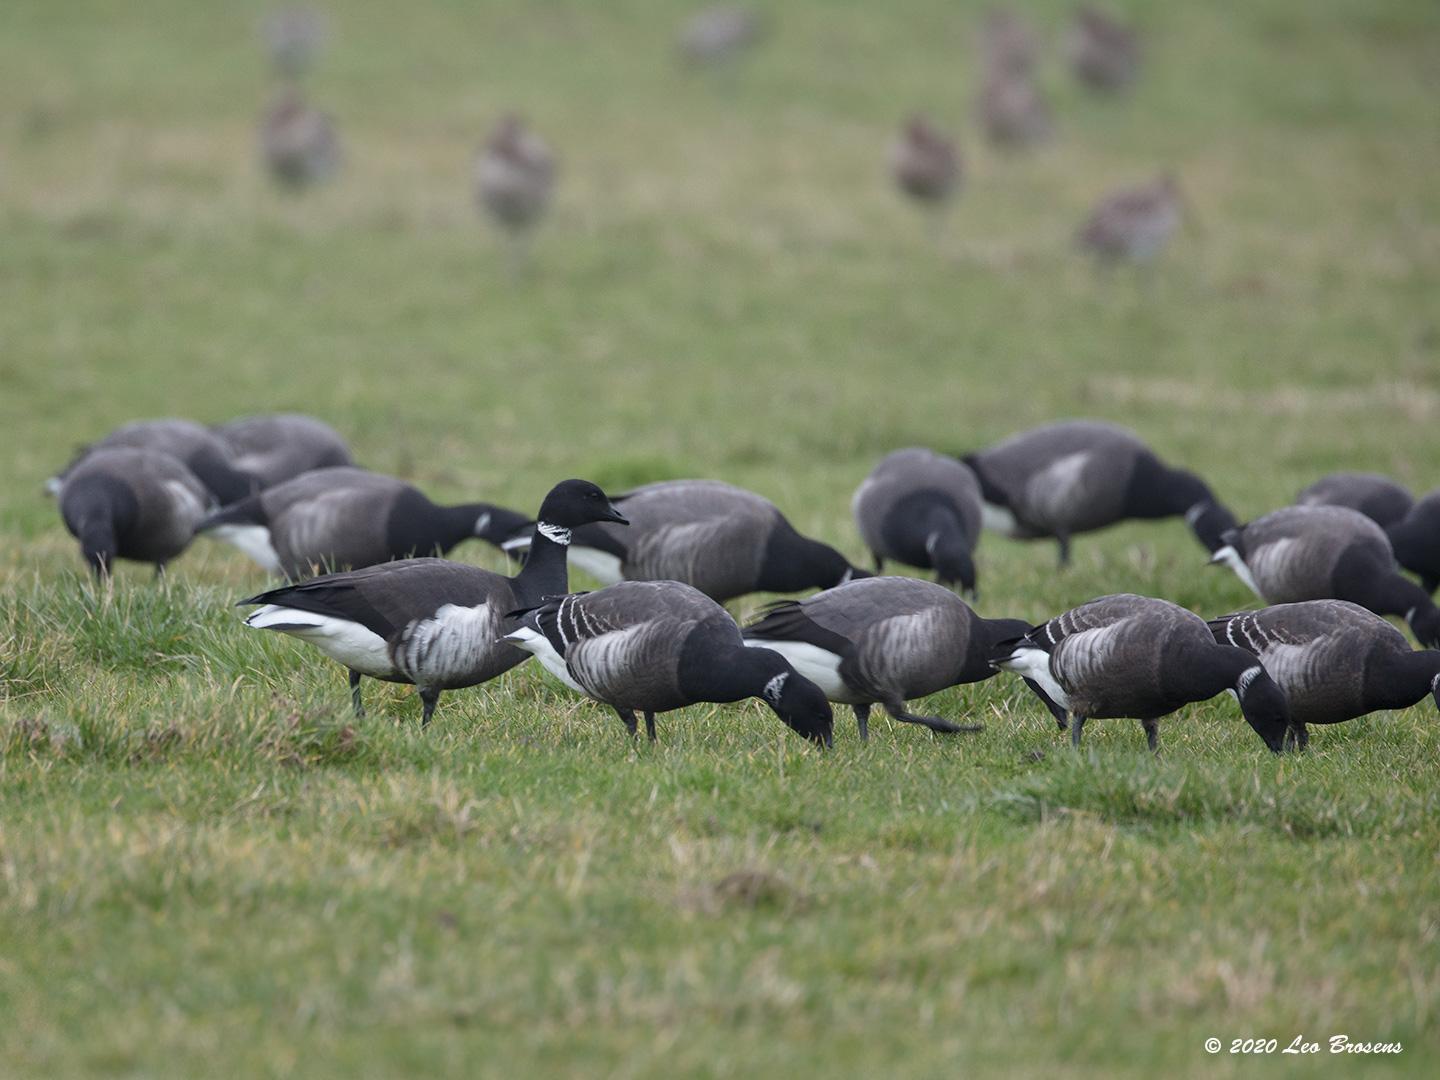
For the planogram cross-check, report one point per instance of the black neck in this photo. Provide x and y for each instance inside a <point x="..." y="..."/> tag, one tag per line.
<point x="99" y="510"/>
<point x="793" y="562"/>
<point x="545" y="572"/>
<point x="223" y="480"/>
<point x="714" y="669"/>
<point x="1407" y="678"/>
<point x="1387" y="592"/>
<point x="920" y="522"/>
<point x="1207" y="673"/>
<point x="1158" y="491"/>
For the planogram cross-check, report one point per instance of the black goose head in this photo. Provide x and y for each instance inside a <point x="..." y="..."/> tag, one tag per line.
<point x="795" y="699"/>
<point x="951" y="557"/>
<point x="1264" y="705"/>
<point x="1210" y="521"/>
<point x="1424" y="623"/>
<point x="578" y="502"/>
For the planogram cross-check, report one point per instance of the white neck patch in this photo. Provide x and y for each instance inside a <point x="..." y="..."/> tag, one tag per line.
<point x="773" y="689"/>
<point x="554" y="533"/>
<point x="930" y="542"/>
<point x="1248" y="676"/>
<point x="481" y="523"/>
<point x="1193" y="514"/>
<point x="845" y="579"/>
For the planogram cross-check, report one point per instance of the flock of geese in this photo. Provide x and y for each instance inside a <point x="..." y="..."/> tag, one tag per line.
<point x="285" y="491"/>
<point x="514" y="172"/>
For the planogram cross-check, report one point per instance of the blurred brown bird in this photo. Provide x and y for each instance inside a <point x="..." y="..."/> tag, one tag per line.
<point x="719" y="34"/>
<point x="1104" y="53"/>
<point x="1134" y="224"/>
<point x="298" y="142"/>
<point x="293" y="37"/>
<point x="1012" y="111"/>
<point x="925" y="163"/>
<point x="514" y="177"/>
<point x="1007" y="42"/>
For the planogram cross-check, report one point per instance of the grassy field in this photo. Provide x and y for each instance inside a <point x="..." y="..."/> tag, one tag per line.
<point x="207" y="866"/>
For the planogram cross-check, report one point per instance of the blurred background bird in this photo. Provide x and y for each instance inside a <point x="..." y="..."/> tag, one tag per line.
<point x="1103" y="52"/>
<point x="925" y="164"/>
<point x="1012" y="111"/>
<point x="293" y="38"/>
<point x="1008" y="42"/>
<point x="719" y="35"/>
<point x="514" y="178"/>
<point x="1134" y="224"/>
<point x="298" y="142"/>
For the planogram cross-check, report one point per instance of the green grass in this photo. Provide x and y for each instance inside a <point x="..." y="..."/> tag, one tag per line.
<point x="208" y="866"/>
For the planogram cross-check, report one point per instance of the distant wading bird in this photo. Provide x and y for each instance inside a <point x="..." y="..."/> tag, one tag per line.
<point x="1378" y="497"/>
<point x="1416" y="540"/>
<point x="430" y="622"/>
<point x="279" y="447"/>
<point x="1012" y="111"/>
<point x="124" y="503"/>
<point x="195" y="446"/>
<point x="514" y="178"/>
<point x="1141" y="658"/>
<point x="723" y="540"/>
<point x="1077" y="476"/>
<point x="1327" y="553"/>
<point x="922" y="509"/>
<point x="293" y="38"/>
<point x="1134" y="224"/>
<point x="298" y="142"/>
<point x="885" y="640"/>
<point x="1334" y="660"/>
<point x="347" y="518"/>
<point x="653" y="646"/>
<point x="926" y="167"/>
<point x="1104" y="53"/>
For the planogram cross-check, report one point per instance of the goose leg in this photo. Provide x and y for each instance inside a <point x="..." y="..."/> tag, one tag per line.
<point x="1077" y="725"/>
<point x="355" y="692"/>
<point x="880" y="562"/>
<point x="650" y="725"/>
<point x="627" y="717"/>
<point x="1152" y="734"/>
<point x="429" y="695"/>
<point x="1063" y="539"/>
<point x="1429" y="583"/>
<point x="1296" y="737"/>
<point x="896" y="708"/>
<point x="862" y="721"/>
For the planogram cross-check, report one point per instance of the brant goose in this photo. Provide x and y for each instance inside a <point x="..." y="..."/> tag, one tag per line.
<point x="1334" y="660"/>
<point x="126" y="503"/>
<point x="1104" y="53"/>
<point x="514" y="177"/>
<point x="293" y="37"/>
<point x="195" y="446"/>
<point x="430" y="622"/>
<point x="298" y="142"/>
<point x="922" y="509"/>
<point x="653" y="646"/>
<point x="1327" y="553"/>
<point x="1135" y="656"/>
<point x="1076" y="476"/>
<point x="925" y="164"/>
<point x="1133" y="224"/>
<point x="1416" y="540"/>
<point x="1008" y="42"/>
<point x="1011" y="109"/>
<point x="277" y="448"/>
<point x="719" y="35"/>
<point x="723" y="540"/>
<point x="346" y="518"/>
<point x="1378" y="497"/>
<point x="886" y="640"/>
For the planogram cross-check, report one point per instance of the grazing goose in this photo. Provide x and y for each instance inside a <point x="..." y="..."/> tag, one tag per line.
<point x="653" y="646"/>
<point x="277" y="448"/>
<point x="886" y="640"/>
<point x="1327" y="553"/>
<point x="514" y="177"/>
<point x="719" y="35"/>
<point x="1133" y="224"/>
<point x="346" y="518"/>
<point x="192" y="444"/>
<point x="1012" y="110"/>
<point x="723" y="540"/>
<point x="1334" y="660"/>
<point x="298" y="142"/>
<point x="1076" y="476"/>
<point x="1416" y="540"/>
<point x="1104" y="53"/>
<point x="922" y="509"/>
<point x="293" y="37"/>
<point x="1138" y="657"/>
<point x="1378" y="497"/>
<point x="1008" y="42"/>
<point x="124" y="503"/>
<point x="925" y="164"/>
<point x="430" y="622"/>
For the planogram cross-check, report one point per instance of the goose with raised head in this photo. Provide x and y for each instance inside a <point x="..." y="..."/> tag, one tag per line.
<point x="1140" y="658"/>
<point x="654" y="646"/>
<point x="433" y="623"/>
<point x="1334" y="660"/>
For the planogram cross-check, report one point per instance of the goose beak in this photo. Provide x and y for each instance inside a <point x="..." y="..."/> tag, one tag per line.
<point x="614" y="515"/>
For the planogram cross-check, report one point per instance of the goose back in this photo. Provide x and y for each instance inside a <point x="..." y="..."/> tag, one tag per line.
<point x="902" y="491"/>
<point x="1378" y="497"/>
<point x="1301" y="552"/>
<point x="275" y="448"/>
<point x="132" y="504"/>
<point x="195" y="445"/>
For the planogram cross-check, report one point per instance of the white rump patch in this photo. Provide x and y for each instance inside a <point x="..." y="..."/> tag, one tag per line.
<point x="187" y="504"/>
<point x="1228" y="556"/>
<point x="53" y="486"/>
<point x="538" y="645"/>
<point x="344" y="641"/>
<point x="998" y="519"/>
<point x="820" y="666"/>
<point x="1032" y="663"/>
<point x="554" y="533"/>
<point x="253" y="542"/>
<point x="774" y="688"/>
<point x="601" y="565"/>
<point x="519" y="543"/>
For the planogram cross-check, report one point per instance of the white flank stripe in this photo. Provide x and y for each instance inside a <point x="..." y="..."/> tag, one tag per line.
<point x="253" y="542"/>
<point x="347" y="642"/>
<point x="998" y="519"/>
<point x="820" y="666"/>
<point x="538" y="645"/>
<point x="1035" y="664"/>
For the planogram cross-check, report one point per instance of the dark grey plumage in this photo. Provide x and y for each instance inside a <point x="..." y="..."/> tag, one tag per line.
<point x="430" y="622"/>
<point x="1327" y="552"/>
<point x="1076" y="476"/>
<point x="1104" y="53"/>
<point x="1334" y="660"/>
<point x="1378" y="497"/>
<point x="1134" y="224"/>
<point x="653" y="646"/>
<point x="279" y="447"/>
<point x="1142" y="658"/>
<point x="298" y="142"/>
<point x="1416" y="540"/>
<point x="719" y="34"/>
<point x="346" y="518"/>
<point x="922" y="509"/>
<point x="514" y="178"/>
<point x="723" y="540"/>
<point x="887" y="640"/>
<point x="1008" y="42"/>
<point x="126" y="503"/>
<point x="195" y="446"/>
<point x="925" y="163"/>
<point x="1012" y="109"/>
